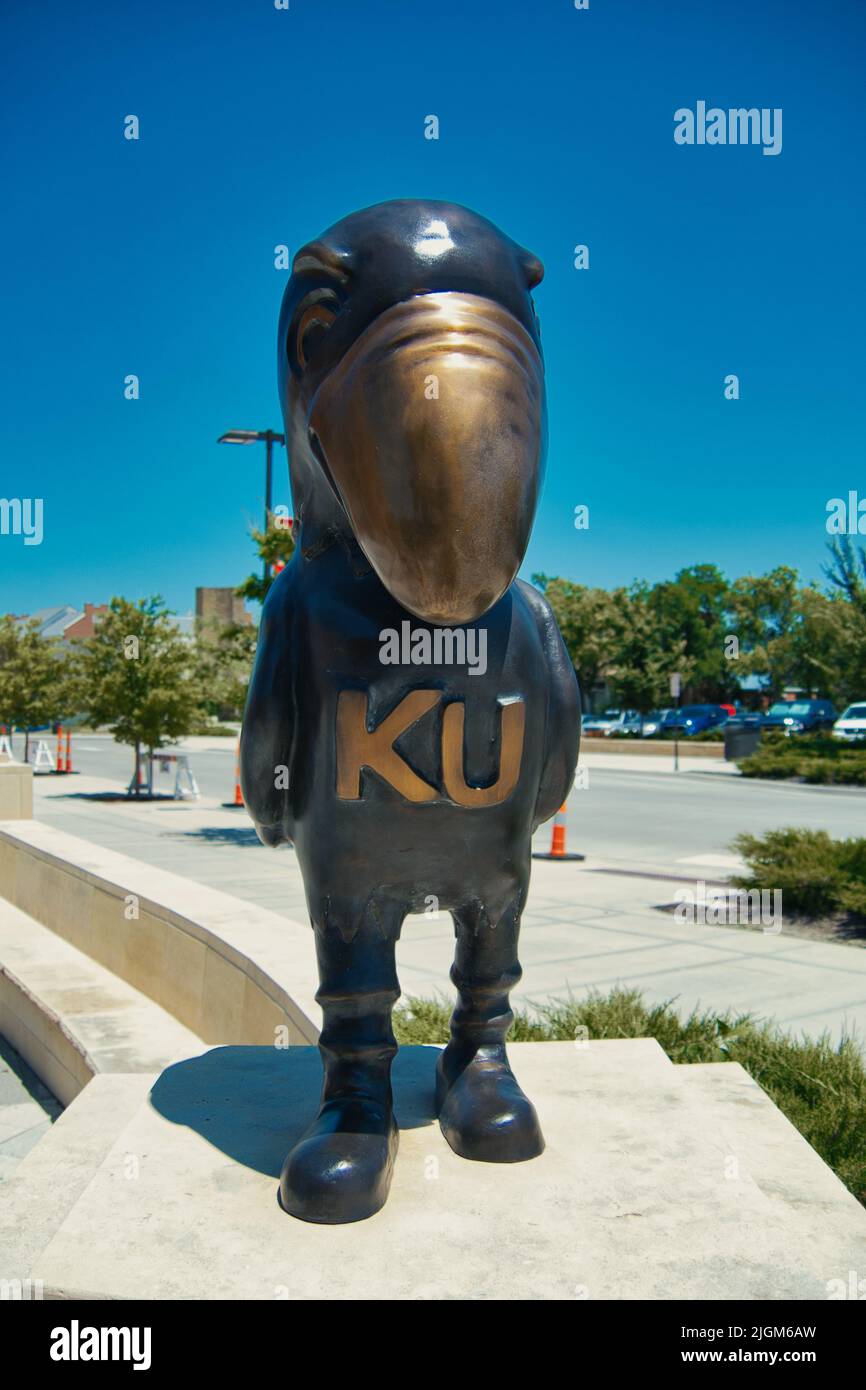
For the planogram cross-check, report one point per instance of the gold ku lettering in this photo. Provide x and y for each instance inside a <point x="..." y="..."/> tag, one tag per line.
<point x="358" y="747"/>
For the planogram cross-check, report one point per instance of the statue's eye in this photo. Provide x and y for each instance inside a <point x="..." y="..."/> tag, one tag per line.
<point x="313" y="324"/>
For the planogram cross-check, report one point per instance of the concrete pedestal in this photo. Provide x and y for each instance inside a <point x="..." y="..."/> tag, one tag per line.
<point x="658" y="1181"/>
<point x="16" y="791"/>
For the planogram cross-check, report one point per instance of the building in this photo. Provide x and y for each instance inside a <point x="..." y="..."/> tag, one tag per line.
<point x="85" y="624"/>
<point x="64" y="622"/>
<point x="221" y="607"/>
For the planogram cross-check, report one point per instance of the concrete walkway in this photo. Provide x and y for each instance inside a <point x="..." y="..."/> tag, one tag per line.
<point x="592" y="757"/>
<point x="590" y="925"/>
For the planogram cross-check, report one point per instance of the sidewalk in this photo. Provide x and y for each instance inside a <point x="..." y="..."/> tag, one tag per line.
<point x="633" y="762"/>
<point x="587" y="925"/>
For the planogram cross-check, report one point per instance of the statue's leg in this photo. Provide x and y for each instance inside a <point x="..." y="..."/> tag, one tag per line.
<point x="341" y="1168"/>
<point x="482" y="1111"/>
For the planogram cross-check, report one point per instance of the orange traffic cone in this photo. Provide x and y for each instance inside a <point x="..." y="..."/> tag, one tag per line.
<point x="58" y="761"/>
<point x="239" y="800"/>
<point x="557" y="839"/>
<point x="68" y="767"/>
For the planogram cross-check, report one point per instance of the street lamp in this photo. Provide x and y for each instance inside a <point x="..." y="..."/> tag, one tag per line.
<point x="270" y="438"/>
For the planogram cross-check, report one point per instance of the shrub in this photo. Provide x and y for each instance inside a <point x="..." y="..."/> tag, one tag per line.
<point x="817" y="875"/>
<point x="812" y="758"/>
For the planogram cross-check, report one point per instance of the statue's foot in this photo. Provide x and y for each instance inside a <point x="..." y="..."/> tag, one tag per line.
<point x="483" y="1113"/>
<point x="341" y="1170"/>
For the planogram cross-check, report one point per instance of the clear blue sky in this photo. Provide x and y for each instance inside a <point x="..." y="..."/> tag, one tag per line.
<point x="261" y="126"/>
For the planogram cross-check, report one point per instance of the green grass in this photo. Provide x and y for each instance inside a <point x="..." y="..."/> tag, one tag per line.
<point x="813" y="758"/>
<point x="818" y="875"/>
<point x="821" y="1088"/>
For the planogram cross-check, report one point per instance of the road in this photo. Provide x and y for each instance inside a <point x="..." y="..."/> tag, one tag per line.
<point x="648" y="819"/>
<point x="672" y="819"/>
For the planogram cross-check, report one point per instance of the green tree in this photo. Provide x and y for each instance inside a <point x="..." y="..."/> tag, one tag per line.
<point x="846" y="571"/>
<point x="797" y="635"/>
<point x="846" y="574"/>
<point x="764" y="611"/>
<point x="691" y="614"/>
<point x="224" y="659"/>
<point x="589" y="620"/>
<point x="787" y="633"/>
<point x="136" y="675"/>
<point x="828" y="647"/>
<point x="276" y="546"/>
<point x="34" y="686"/>
<point x="646" y="654"/>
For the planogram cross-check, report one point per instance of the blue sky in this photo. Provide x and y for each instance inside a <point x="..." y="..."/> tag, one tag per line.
<point x="261" y="126"/>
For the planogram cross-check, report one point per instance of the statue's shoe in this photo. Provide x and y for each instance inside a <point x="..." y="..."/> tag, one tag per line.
<point x="483" y="1113"/>
<point x="341" y="1169"/>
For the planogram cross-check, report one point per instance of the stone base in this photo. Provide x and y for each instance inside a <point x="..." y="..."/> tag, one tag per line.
<point x="658" y="1181"/>
<point x="16" y="791"/>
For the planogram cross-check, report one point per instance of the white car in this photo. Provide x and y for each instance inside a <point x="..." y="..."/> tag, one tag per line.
<point x="851" y="724"/>
<point x="600" y="723"/>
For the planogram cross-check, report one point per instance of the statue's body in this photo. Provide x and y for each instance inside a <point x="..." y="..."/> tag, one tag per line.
<point x="412" y="385"/>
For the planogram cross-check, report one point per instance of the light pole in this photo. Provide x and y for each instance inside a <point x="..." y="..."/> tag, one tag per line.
<point x="270" y="438"/>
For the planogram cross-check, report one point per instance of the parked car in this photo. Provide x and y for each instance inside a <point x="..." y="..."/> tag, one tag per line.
<point x="656" y="722"/>
<point x="851" y="723"/>
<point x="799" y="716"/>
<point x="600" y="723"/>
<point x="694" y="719"/>
<point x="629" y="723"/>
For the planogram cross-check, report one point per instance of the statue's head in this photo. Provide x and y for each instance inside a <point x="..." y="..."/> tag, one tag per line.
<point x="412" y="386"/>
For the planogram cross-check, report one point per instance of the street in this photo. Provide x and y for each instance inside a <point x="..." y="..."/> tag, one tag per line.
<point x="661" y="821"/>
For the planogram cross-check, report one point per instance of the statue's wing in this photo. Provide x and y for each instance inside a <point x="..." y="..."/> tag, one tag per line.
<point x="562" y="727"/>
<point x="267" y="736"/>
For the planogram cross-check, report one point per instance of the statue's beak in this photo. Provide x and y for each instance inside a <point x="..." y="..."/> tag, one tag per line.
<point x="432" y="428"/>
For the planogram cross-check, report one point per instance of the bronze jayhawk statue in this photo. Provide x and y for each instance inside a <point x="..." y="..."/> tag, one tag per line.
<point x="412" y="385"/>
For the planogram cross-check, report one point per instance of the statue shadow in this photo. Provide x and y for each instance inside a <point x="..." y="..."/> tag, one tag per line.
<point x="243" y="835"/>
<point x="254" y="1103"/>
<point x="125" y="797"/>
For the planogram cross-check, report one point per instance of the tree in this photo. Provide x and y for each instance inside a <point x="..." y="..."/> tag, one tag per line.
<point x="136" y="676"/>
<point x="224" y="659"/>
<point x="589" y="622"/>
<point x="828" y="646"/>
<point x="34" y="689"/>
<point x="634" y="639"/>
<point x="276" y="546"/>
<point x="787" y="633"/>
<point x="646" y="654"/>
<point x="764" y="613"/>
<point x="847" y="571"/>
<point x="691" y="614"/>
<point x="846" y="574"/>
<point x="797" y="635"/>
